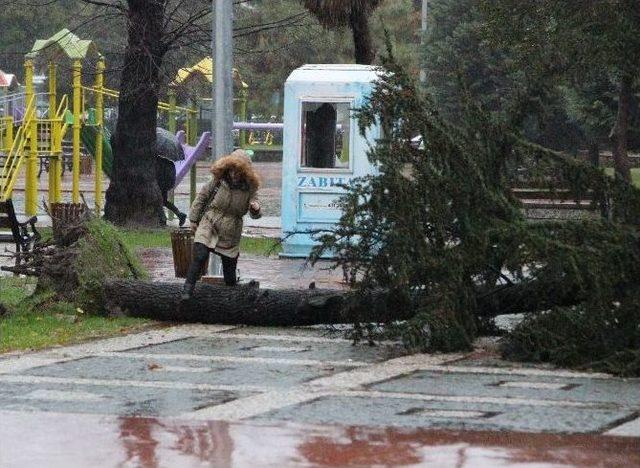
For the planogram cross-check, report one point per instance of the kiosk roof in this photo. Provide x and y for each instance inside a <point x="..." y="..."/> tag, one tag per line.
<point x="336" y="73"/>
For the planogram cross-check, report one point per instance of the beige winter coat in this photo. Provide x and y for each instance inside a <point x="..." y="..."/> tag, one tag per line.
<point x="219" y="217"/>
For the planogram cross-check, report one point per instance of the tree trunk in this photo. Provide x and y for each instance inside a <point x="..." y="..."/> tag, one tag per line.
<point x="518" y="298"/>
<point x="133" y="196"/>
<point x="359" y="24"/>
<point x="245" y="304"/>
<point x="619" y="132"/>
<point x="294" y="307"/>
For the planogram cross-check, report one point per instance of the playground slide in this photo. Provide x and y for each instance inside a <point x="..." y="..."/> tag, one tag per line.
<point x="191" y="153"/>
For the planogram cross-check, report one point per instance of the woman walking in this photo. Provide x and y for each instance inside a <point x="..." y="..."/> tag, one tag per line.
<point x="216" y="216"/>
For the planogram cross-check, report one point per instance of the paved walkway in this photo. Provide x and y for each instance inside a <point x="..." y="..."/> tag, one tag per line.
<point x="225" y="396"/>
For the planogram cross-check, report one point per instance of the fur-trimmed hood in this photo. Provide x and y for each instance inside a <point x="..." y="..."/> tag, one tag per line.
<point x="240" y="161"/>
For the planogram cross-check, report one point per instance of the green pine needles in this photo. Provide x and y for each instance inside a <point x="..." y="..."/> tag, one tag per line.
<point x="439" y="228"/>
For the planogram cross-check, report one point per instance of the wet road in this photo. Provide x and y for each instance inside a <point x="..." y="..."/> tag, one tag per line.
<point x="222" y="396"/>
<point x="64" y="440"/>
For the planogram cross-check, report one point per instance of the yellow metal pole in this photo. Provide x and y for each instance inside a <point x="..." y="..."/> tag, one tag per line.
<point x="171" y="126"/>
<point x="9" y="134"/>
<point x="54" y="165"/>
<point x="52" y="89"/>
<point x="77" y="96"/>
<point x="100" y="128"/>
<point x="244" y="95"/>
<point x="31" y="191"/>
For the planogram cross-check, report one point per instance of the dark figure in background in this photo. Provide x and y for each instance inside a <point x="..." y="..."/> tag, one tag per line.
<point x="321" y="136"/>
<point x="166" y="177"/>
<point x="168" y="151"/>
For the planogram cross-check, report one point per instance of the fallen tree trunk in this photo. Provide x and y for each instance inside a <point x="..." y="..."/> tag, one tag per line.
<point x="246" y="304"/>
<point x="529" y="296"/>
<point x="249" y="305"/>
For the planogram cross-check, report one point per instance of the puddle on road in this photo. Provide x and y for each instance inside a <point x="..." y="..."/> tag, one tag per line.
<point x="97" y="441"/>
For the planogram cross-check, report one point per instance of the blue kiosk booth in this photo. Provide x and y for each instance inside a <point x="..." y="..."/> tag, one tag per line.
<point x="322" y="147"/>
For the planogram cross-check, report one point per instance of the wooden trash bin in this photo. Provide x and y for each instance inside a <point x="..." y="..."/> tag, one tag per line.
<point x="182" y="247"/>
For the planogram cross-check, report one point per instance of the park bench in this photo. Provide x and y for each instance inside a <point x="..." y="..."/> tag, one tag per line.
<point x="544" y="204"/>
<point x="18" y="231"/>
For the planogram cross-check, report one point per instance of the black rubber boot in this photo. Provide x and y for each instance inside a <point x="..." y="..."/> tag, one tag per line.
<point x="182" y="218"/>
<point x="187" y="291"/>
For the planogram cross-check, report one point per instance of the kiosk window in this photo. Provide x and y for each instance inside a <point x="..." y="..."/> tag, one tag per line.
<point x="325" y="134"/>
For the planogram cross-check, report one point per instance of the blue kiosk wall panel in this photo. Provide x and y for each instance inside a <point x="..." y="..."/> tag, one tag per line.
<point x="309" y="194"/>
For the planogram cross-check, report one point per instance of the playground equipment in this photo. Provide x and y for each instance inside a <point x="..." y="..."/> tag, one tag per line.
<point x="193" y="84"/>
<point x="8" y="88"/>
<point x="40" y="132"/>
<point x="323" y="149"/>
<point x="96" y="137"/>
<point x="34" y="125"/>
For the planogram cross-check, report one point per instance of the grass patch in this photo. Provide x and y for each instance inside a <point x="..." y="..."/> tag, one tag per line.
<point x="36" y="323"/>
<point x="260" y="246"/>
<point x="27" y="330"/>
<point x="635" y="175"/>
<point x="15" y="289"/>
<point x="146" y="239"/>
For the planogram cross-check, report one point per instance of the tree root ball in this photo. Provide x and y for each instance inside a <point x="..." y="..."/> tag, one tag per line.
<point x="77" y="272"/>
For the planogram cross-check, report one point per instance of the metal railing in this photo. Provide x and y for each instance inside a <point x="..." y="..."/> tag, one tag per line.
<point x="60" y="115"/>
<point x="16" y="155"/>
<point x="162" y="106"/>
<point x="14" y="105"/>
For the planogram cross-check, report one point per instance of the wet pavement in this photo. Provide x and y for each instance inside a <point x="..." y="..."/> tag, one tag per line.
<point x="64" y="440"/>
<point x="202" y="395"/>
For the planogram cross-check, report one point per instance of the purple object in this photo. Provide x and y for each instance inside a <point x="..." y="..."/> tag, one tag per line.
<point x="191" y="154"/>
